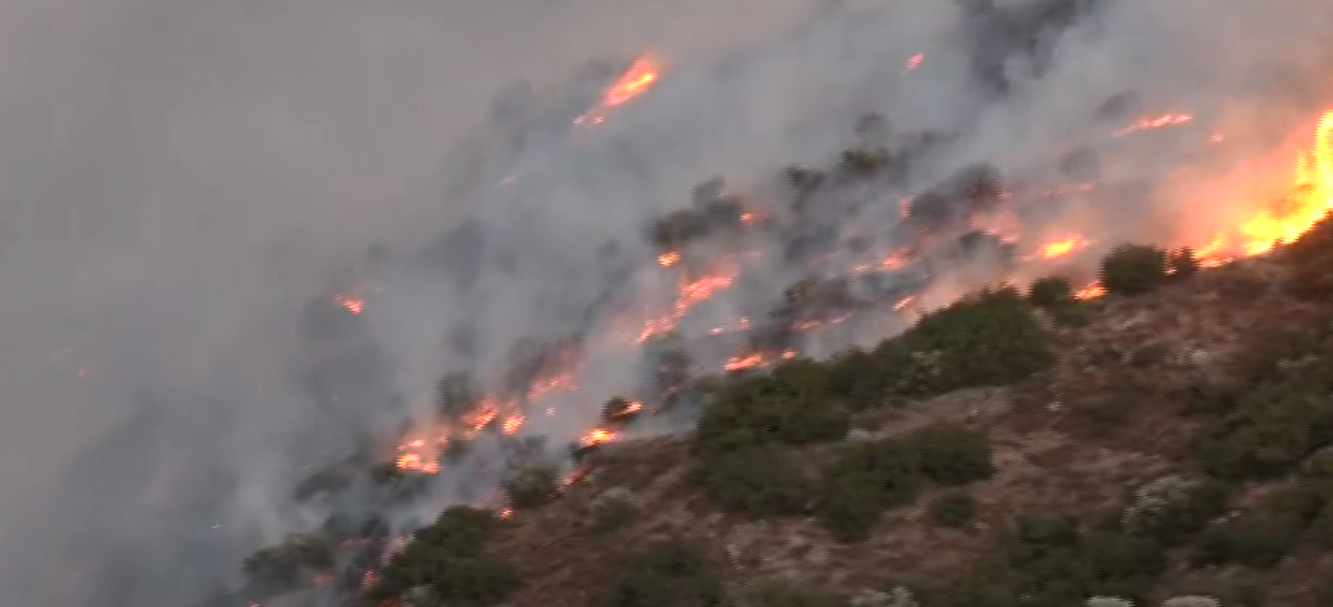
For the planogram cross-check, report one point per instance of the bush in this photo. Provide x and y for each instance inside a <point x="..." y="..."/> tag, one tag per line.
<point x="533" y="486"/>
<point x="757" y="481"/>
<point x="954" y="509"/>
<point x="613" y="510"/>
<point x="1274" y="428"/>
<point x="671" y="573"/>
<point x="1051" y="292"/>
<point x="866" y="479"/>
<point x="1172" y="508"/>
<point x="1182" y="263"/>
<point x="792" y="406"/>
<point x="282" y="566"/>
<point x="459" y="530"/>
<point x="1133" y="269"/>
<point x="952" y="454"/>
<point x="986" y="339"/>
<point x="1262" y="537"/>
<point x="788" y="594"/>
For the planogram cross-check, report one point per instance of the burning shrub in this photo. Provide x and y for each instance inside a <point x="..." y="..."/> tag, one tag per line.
<point x="670" y="573"/>
<point x="456" y="394"/>
<point x="445" y="560"/>
<point x="951" y="454"/>
<point x="1134" y="269"/>
<point x="781" y="593"/>
<point x="954" y="509"/>
<point x="990" y="338"/>
<point x="758" y="481"/>
<point x="533" y="486"/>
<point x="1051" y="292"/>
<point x="1182" y="263"/>
<point x="285" y="565"/>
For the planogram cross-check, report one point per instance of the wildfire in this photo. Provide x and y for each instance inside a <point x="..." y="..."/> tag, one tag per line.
<point x="1063" y="247"/>
<point x="640" y="77"/>
<point x="1309" y="199"/>
<point x="667" y="260"/>
<point x="755" y="360"/>
<point x="914" y="62"/>
<point x="689" y="294"/>
<point x="353" y="304"/>
<point x="1148" y="124"/>
<point x="1092" y="291"/>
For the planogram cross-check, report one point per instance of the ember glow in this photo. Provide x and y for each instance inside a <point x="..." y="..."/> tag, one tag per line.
<point x="354" y="305"/>
<point x="1148" y="124"/>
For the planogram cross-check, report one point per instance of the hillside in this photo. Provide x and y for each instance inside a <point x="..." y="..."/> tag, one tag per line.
<point x="1173" y="437"/>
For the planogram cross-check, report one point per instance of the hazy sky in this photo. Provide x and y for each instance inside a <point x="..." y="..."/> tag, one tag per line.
<point x="171" y="171"/>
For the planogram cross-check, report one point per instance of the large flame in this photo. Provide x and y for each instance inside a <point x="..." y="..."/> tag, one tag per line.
<point x="1307" y="199"/>
<point x="636" y="80"/>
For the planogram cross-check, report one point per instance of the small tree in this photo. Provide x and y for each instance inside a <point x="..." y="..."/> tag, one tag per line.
<point x="533" y="486"/>
<point x="669" y="573"/>
<point x="1182" y="263"/>
<point x="613" y="510"/>
<point x="1134" y="269"/>
<point x="1051" y="292"/>
<point x="952" y="454"/>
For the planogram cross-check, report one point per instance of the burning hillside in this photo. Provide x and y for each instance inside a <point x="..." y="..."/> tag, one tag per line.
<point x="628" y="334"/>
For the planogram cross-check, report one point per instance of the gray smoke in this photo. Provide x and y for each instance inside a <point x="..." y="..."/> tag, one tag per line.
<point x="182" y="178"/>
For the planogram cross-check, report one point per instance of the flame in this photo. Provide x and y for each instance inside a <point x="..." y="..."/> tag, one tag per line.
<point x="513" y="423"/>
<point x="1063" y="247"/>
<point x="353" y="304"/>
<point x="689" y="294"/>
<point x="598" y="436"/>
<point x="914" y="62"/>
<point x="1148" y="124"/>
<point x="1092" y="291"/>
<point x="636" y="80"/>
<point x="1308" y="199"/>
<point x="667" y="260"/>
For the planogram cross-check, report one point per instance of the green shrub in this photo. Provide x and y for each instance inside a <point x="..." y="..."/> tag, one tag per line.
<point x="456" y="579"/>
<point x="533" y="486"/>
<point x="757" y="481"/>
<point x="952" y="454"/>
<point x="862" y="482"/>
<point x="779" y="593"/>
<point x="460" y="530"/>
<point x="1173" y="508"/>
<point x="671" y="573"/>
<point x="954" y="509"/>
<point x="1274" y="428"/>
<point x="850" y="506"/>
<point x="792" y="406"/>
<point x="1051" y="292"/>
<point x="1048" y="561"/>
<point x="1262" y="537"/>
<point x="613" y="510"/>
<point x="985" y="339"/>
<point x="1133" y="270"/>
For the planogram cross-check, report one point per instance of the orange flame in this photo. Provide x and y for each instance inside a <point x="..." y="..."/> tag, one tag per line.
<point x="667" y="260"/>
<point x="640" y="77"/>
<point x="1092" y="291"/>
<point x="1063" y="247"/>
<point x="353" y="304"/>
<point x="1308" y="200"/>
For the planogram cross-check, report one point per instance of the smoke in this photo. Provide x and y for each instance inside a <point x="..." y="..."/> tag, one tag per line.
<point x="181" y="179"/>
